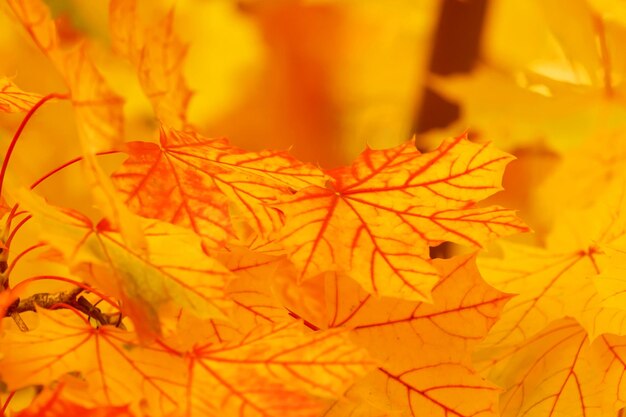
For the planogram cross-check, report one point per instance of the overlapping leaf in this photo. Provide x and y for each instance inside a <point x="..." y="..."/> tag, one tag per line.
<point x="558" y="281"/>
<point x="557" y="373"/>
<point x="174" y="269"/>
<point x="424" y="348"/>
<point x="117" y="370"/>
<point x="158" y="56"/>
<point x="193" y="181"/>
<point x="273" y="370"/>
<point x="377" y="218"/>
<point x="99" y="114"/>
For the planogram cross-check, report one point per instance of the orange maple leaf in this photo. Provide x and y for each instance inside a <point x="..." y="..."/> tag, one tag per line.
<point x="99" y="115"/>
<point x="424" y="349"/>
<point x="117" y="369"/>
<point x="267" y="371"/>
<point x="376" y="219"/>
<point x="194" y="181"/>
<point x="158" y="56"/>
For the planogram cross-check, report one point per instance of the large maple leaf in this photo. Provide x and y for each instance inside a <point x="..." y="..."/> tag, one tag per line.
<point x="424" y="348"/>
<point x="269" y="372"/>
<point x="376" y="219"/>
<point x="266" y="372"/>
<point x="194" y="181"/>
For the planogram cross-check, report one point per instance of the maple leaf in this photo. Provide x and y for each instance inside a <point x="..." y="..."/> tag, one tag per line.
<point x="263" y="373"/>
<point x="235" y="245"/>
<point x="98" y="109"/>
<point x="559" y="373"/>
<point x="270" y="371"/>
<point x="118" y="371"/>
<point x="192" y="181"/>
<point x="424" y="348"/>
<point x="559" y="280"/>
<point x="596" y="172"/>
<point x="158" y="55"/>
<point x="145" y="282"/>
<point x="13" y="100"/>
<point x="377" y="218"/>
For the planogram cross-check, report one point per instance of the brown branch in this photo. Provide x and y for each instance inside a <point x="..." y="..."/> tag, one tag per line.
<point x="57" y="300"/>
<point x="85" y="306"/>
<point x="46" y="300"/>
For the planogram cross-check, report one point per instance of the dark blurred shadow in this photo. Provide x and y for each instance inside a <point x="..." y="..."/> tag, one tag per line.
<point x="456" y="50"/>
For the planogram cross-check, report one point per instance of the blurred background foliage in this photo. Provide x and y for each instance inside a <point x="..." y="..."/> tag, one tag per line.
<point x="542" y="79"/>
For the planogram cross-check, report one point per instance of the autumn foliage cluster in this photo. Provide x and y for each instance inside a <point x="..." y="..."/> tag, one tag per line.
<point x="196" y="278"/>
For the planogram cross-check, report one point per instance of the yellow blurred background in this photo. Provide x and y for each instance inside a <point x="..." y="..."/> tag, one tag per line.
<point x="325" y="78"/>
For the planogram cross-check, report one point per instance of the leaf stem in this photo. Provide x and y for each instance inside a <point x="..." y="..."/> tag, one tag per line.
<point x="71" y="308"/>
<point x="14" y="231"/>
<point x="19" y="130"/>
<point x="6" y="404"/>
<point x="10" y="218"/>
<point x="67" y="164"/>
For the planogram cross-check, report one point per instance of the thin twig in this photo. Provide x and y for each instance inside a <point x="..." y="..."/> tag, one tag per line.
<point x="53" y="300"/>
<point x="47" y="300"/>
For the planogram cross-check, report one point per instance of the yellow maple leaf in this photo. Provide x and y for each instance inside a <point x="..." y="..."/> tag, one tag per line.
<point x="558" y="373"/>
<point x="559" y="280"/>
